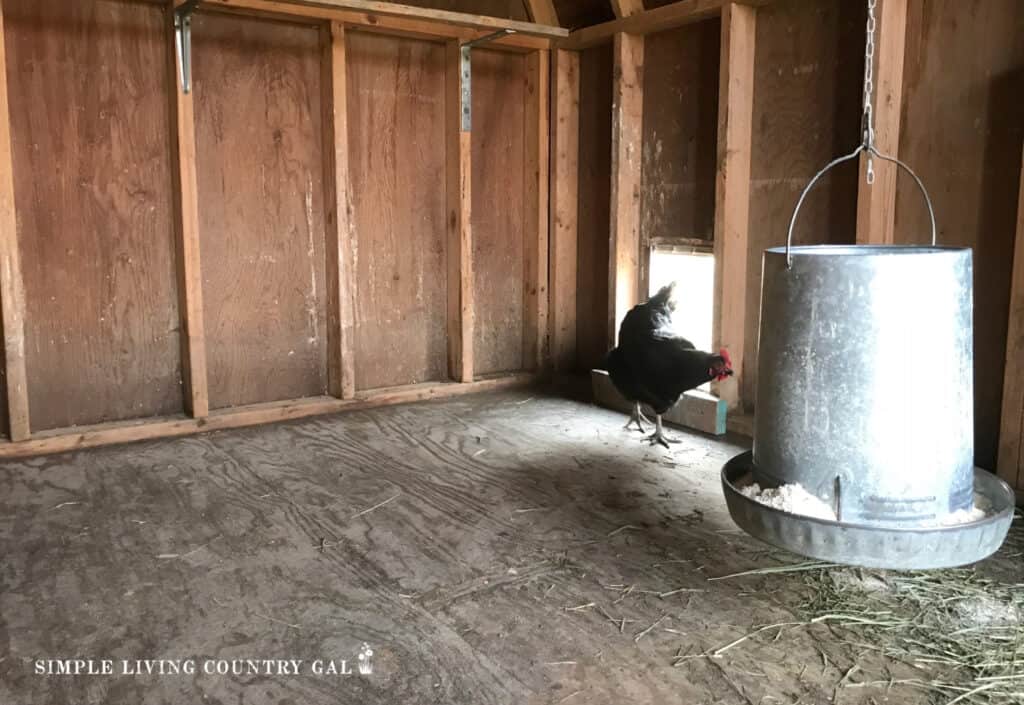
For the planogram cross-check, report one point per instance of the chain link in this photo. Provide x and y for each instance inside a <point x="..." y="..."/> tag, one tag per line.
<point x="869" y="85"/>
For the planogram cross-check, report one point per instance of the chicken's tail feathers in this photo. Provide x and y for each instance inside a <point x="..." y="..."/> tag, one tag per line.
<point x="664" y="296"/>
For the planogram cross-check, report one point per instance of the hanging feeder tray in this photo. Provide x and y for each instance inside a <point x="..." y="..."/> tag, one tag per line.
<point x="865" y="400"/>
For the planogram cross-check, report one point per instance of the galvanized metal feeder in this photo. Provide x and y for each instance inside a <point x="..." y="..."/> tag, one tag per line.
<point x="865" y="399"/>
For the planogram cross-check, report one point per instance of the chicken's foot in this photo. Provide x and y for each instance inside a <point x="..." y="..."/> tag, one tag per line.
<point x="659" y="436"/>
<point x="636" y="417"/>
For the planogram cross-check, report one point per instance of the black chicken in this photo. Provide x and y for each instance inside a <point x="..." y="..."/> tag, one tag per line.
<point x="654" y="366"/>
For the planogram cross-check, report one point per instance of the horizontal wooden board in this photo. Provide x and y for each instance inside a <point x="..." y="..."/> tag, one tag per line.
<point x="260" y="172"/>
<point x="680" y="132"/>
<point x="595" y="160"/>
<point x="89" y="111"/>
<point x="963" y="127"/>
<point x="498" y="149"/>
<point x="397" y="170"/>
<point x="808" y="75"/>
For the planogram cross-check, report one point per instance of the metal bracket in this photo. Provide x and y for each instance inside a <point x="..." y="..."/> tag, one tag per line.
<point x="183" y="41"/>
<point x="466" y="72"/>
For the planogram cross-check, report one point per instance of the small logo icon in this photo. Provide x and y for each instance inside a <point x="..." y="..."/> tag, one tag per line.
<point x="366" y="660"/>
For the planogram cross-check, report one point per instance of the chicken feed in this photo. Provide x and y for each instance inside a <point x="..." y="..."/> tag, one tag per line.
<point x="792" y="498"/>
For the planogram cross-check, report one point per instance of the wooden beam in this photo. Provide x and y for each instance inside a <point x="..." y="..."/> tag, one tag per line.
<point x="627" y="138"/>
<point x="372" y="12"/>
<point x="732" y="190"/>
<point x="12" y="287"/>
<point x="625" y="8"/>
<point x="186" y="225"/>
<point x="69" y="439"/>
<point x="536" y="166"/>
<point x="876" y="204"/>
<point x="340" y="240"/>
<point x="666" y="17"/>
<point x="542" y="12"/>
<point x="460" y="235"/>
<point x="565" y="148"/>
<point x="1011" y="434"/>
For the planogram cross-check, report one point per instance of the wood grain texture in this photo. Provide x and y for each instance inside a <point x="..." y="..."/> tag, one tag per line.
<point x="536" y="168"/>
<point x="339" y="237"/>
<point x="680" y="132"/>
<point x="969" y="55"/>
<point x="499" y="210"/>
<point x="71" y="439"/>
<point x="627" y="144"/>
<point x="542" y="12"/>
<point x="594" y="213"/>
<point x="14" y="411"/>
<point x="732" y="191"/>
<point x="1011" y="429"/>
<point x="876" y="203"/>
<point x="258" y="137"/>
<point x="808" y="74"/>
<point x="397" y="161"/>
<point x="436" y="21"/>
<point x="462" y="583"/>
<point x="625" y="8"/>
<point x="186" y="231"/>
<point x="675" y="14"/>
<point x="565" y="153"/>
<point x="89" y="100"/>
<point x="459" y="203"/>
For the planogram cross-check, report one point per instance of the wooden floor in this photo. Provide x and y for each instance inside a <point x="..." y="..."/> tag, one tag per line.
<point x="483" y="546"/>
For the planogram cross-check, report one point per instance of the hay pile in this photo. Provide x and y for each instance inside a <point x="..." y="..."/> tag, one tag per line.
<point x="965" y="629"/>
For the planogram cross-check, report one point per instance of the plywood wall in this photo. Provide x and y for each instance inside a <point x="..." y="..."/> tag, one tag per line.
<point x="680" y="133"/>
<point x="396" y="123"/>
<point x="260" y="171"/>
<point x="498" y="218"/>
<point x="89" y="115"/>
<point x="807" y="96"/>
<point x="963" y="126"/>
<point x="595" y="157"/>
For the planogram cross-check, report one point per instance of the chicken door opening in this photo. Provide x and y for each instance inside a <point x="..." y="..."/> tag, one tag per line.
<point x="694" y="274"/>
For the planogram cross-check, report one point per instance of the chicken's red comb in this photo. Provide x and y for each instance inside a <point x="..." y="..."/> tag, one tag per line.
<point x="725" y="356"/>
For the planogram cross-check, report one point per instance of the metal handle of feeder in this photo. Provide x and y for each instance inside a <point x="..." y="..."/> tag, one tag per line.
<point x="853" y="155"/>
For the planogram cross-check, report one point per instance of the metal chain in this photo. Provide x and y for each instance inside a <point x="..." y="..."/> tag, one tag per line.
<point x="869" y="84"/>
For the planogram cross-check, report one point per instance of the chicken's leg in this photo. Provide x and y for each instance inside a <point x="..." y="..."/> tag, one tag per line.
<point x="659" y="435"/>
<point x="636" y="417"/>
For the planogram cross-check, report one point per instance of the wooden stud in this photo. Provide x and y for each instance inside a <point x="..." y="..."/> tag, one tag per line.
<point x="186" y="226"/>
<point x="436" y="22"/>
<point x="1011" y="434"/>
<point x="627" y="136"/>
<point x="63" y="440"/>
<point x="460" y="235"/>
<point x="542" y="12"/>
<point x="536" y="167"/>
<point x="625" y="8"/>
<point x="340" y="248"/>
<point x="732" y="190"/>
<point x="565" y="147"/>
<point x="12" y="287"/>
<point x="669" y="16"/>
<point x="876" y="204"/>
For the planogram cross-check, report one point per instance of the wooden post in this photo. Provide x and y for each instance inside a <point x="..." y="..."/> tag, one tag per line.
<point x="536" y="166"/>
<point x="565" y="147"/>
<point x="186" y="223"/>
<point x="876" y="203"/>
<point x="460" y="235"/>
<point x="732" y="192"/>
<point x="542" y="12"/>
<point x="1011" y="433"/>
<point x="12" y="287"/>
<point x="627" y="137"/>
<point x="340" y="247"/>
<point x="625" y="8"/>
